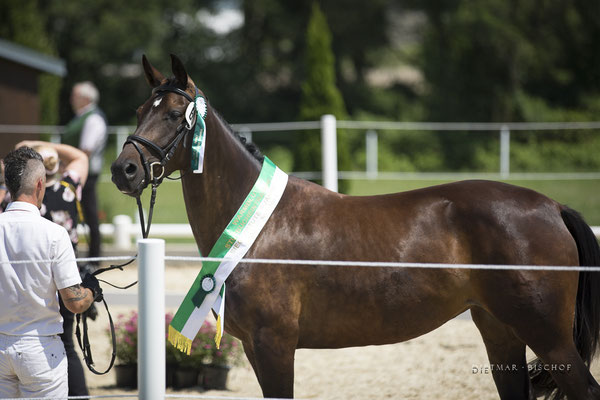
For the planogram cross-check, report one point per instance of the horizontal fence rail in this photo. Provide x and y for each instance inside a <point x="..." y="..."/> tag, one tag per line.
<point x="337" y="263"/>
<point x="328" y="126"/>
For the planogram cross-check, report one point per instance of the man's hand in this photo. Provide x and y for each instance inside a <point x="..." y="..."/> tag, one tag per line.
<point x="90" y="282"/>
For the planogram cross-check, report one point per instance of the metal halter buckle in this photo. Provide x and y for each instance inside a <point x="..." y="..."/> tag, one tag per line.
<point x="162" y="172"/>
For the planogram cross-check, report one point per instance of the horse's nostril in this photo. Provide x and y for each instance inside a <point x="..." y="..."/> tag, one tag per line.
<point x="130" y="169"/>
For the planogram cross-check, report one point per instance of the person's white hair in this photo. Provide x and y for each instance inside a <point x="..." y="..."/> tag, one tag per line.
<point x="88" y="90"/>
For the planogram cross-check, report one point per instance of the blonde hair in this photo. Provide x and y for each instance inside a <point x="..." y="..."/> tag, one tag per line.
<point x="50" y="156"/>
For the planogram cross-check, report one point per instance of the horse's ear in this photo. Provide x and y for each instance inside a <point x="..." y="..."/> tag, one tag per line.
<point x="179" y="71"/>
<point x="153" y="76"/>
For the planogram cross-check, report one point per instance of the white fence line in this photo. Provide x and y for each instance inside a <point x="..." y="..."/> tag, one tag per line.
<point x="330" y="157"/>
<point x="334" y="263"/>
<point x="392" y="264"/>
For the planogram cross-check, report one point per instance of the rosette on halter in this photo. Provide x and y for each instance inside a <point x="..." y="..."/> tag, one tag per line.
<point x="208" y="290"/>
<point x="195" y="114"/>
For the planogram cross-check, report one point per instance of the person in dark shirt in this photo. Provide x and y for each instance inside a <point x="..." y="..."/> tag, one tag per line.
<point x="66" y="174"/>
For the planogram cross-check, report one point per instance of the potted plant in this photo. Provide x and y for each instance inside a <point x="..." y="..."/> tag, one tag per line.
<point x="187" y="369"/>
<point x="219" y="360"/>
<point x="126" y="358"/>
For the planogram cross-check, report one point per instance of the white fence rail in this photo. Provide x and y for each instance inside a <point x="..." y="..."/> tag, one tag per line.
<point x="329" y="125"/>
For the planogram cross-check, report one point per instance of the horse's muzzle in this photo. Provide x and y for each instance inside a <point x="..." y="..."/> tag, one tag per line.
<point x="127" y="176"/>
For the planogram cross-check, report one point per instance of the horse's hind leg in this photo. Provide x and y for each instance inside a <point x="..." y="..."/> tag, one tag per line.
<point x="506" y="354"/>
<point x="560" y="358"/>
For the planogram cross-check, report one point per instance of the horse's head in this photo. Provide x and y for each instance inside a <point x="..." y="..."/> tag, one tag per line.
<point x="155" y="149"/>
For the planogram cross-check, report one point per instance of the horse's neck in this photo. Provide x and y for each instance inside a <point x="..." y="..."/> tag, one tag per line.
<point x="213" y="197"/>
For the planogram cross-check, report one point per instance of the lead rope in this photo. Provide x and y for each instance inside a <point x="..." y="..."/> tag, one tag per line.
<point x="84" y="343"/>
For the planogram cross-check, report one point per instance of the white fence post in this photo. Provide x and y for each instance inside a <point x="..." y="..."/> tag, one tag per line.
<point x="371" y="153"/>
<point x="122" y="133"/>
<point x="151" y="320"/>
<point x="122" y="232"/>
<point x="504" y="152"/>
<point x="329" y="152"/>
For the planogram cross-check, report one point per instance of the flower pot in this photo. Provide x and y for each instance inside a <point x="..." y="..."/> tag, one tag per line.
<point x="126" y="375"/>
<point x="185" y="377"/>
<point x="215" y="376"/>
<point x="170" y="374"/>
<point x="200" y="370"/>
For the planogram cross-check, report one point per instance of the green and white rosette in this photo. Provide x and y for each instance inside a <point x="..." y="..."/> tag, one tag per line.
<point x="197" y="111"/>
<point x="208" y="290"/>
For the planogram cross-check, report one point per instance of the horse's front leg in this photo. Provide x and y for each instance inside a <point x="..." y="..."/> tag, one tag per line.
<point x="273" y="352"/>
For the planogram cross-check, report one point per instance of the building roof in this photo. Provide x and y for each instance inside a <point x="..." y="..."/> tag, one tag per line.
<point x="31" y="58"/>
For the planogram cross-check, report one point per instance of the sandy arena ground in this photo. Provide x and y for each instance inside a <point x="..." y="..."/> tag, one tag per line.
<point x="438" y="365"/>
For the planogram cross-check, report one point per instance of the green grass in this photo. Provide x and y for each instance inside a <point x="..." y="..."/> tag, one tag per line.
<point x="581" y="195"/>
<point x="169" y="207"/>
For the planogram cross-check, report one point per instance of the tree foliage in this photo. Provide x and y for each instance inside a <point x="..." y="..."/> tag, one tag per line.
<point x="490" y="60"/>
<point x="496" y="60"/>
<point x="320" y="96"/>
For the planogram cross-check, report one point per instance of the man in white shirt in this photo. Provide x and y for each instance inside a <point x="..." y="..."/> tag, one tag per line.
<point x="87" y="131"/>
<point x="32" y="356"/>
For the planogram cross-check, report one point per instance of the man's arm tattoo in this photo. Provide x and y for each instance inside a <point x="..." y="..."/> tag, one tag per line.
<point x="78" y="293"/>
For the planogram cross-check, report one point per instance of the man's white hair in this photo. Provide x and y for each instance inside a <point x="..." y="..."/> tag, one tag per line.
<point x="88" y="90"/>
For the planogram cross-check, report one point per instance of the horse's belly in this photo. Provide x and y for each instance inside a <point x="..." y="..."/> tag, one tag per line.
<point x="399" y="307"/>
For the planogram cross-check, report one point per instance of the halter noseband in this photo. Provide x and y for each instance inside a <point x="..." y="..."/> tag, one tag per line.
<point x="164" y="153"/>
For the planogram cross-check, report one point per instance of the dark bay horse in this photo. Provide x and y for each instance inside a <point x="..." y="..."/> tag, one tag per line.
<point x="275" y="309"/>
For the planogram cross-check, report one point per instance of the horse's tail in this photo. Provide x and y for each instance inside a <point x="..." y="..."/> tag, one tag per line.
<point x="586" y="330"/>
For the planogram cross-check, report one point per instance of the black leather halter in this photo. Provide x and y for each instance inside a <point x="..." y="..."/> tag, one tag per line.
<point x="164" y="154"/>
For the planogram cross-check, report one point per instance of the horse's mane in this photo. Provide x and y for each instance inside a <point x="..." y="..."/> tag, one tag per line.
<point x="250" y="147"/>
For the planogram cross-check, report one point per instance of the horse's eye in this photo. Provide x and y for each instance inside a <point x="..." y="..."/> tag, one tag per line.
<point x="174" y="115"/>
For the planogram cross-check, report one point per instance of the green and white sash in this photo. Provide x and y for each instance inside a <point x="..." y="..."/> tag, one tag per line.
<point x="208" y="290"/>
